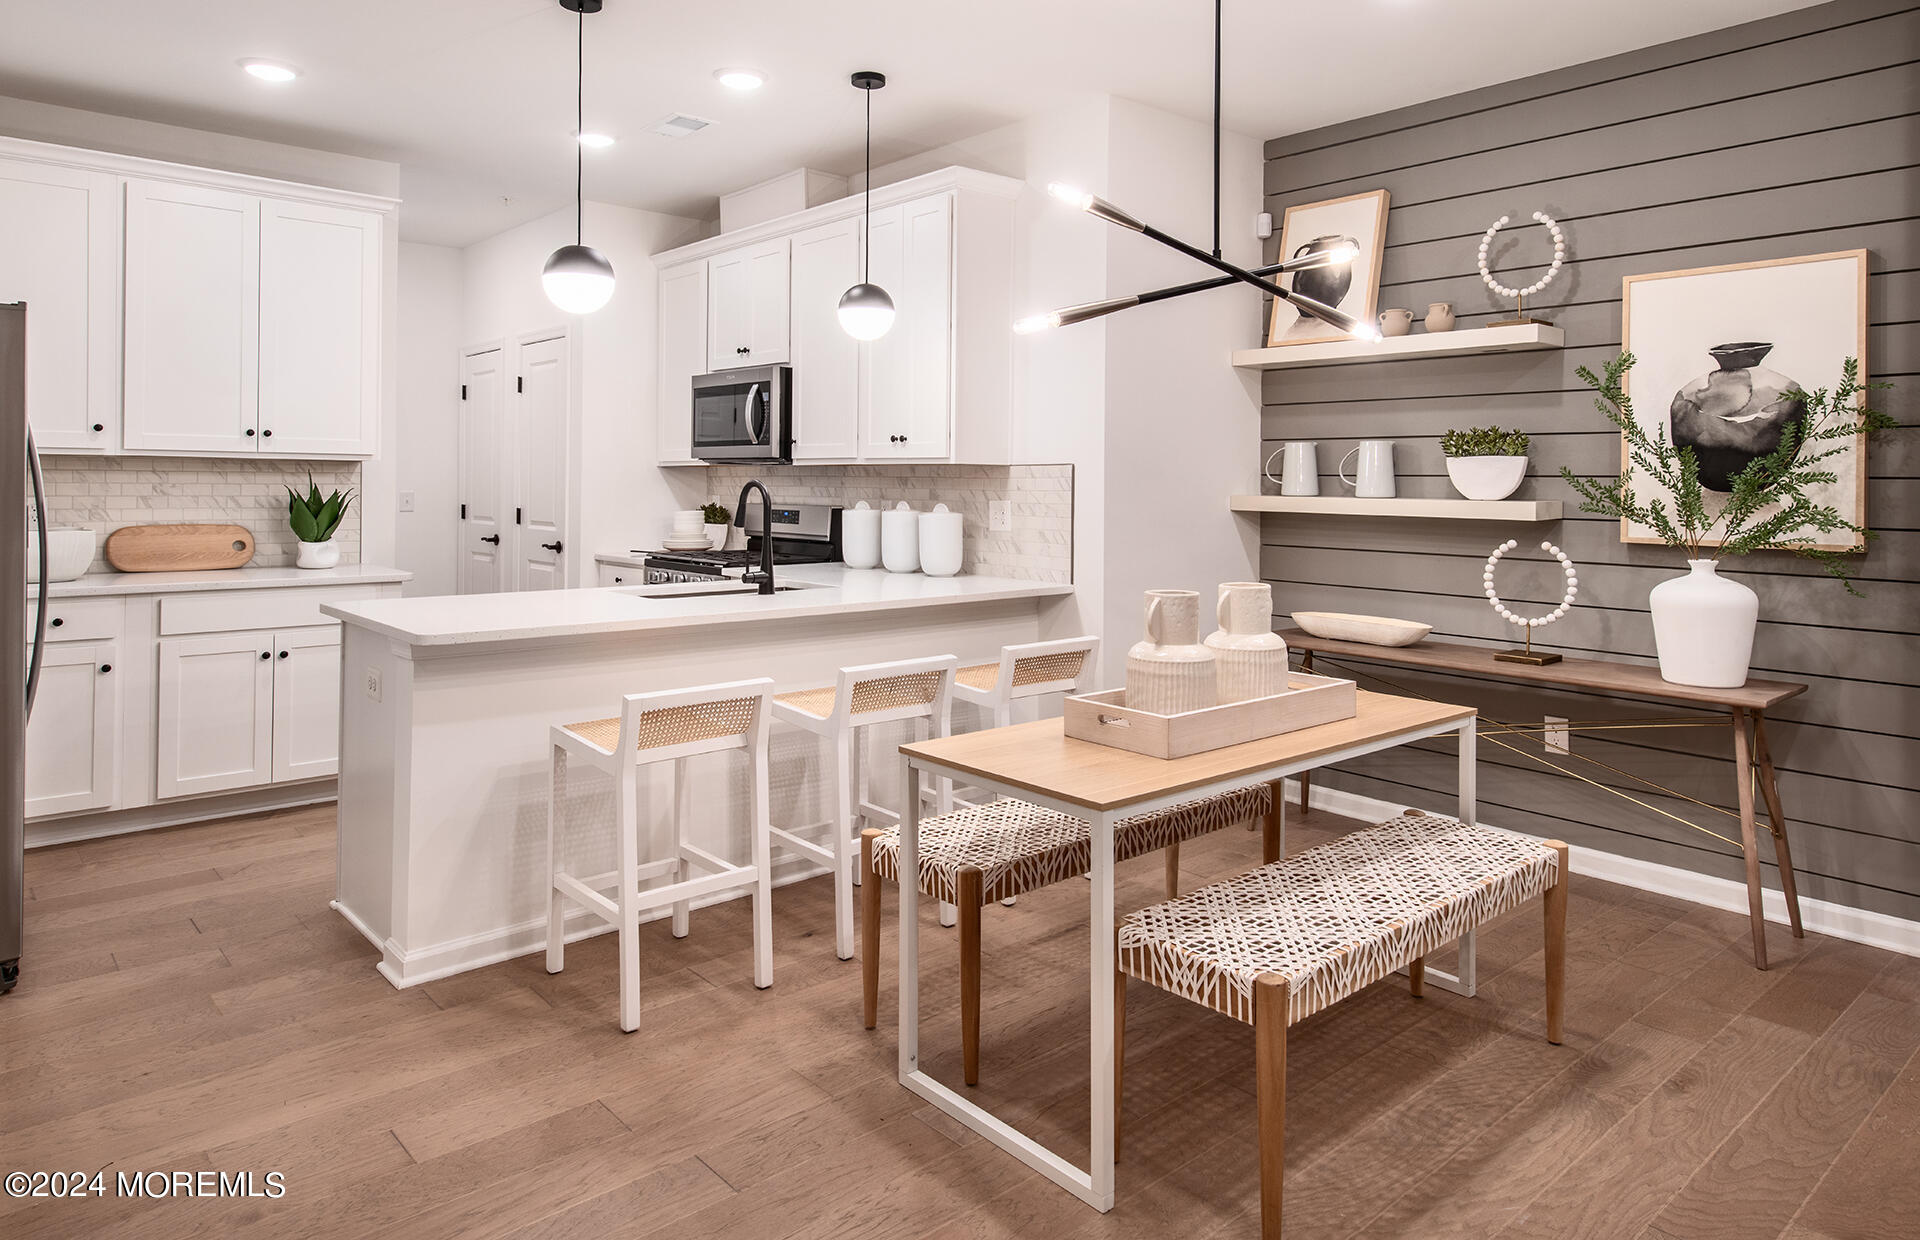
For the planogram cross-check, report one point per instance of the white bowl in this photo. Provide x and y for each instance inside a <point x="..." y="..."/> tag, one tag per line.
<point x="1487" y="477"/>
<point x="1339" y="626"/>
<point x="68" y="554"/>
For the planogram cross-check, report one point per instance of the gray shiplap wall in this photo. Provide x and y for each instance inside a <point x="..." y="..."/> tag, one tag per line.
<point x="1795" y="135"/>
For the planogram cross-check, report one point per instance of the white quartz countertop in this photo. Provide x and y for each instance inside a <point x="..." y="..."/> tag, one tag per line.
<point x="221" y="579"/>
<point x="830" y="589"/>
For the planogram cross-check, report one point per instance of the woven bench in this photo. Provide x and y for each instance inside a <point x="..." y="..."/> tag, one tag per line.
<point x="1275" y="945"/>
<point x="982" y="854"/>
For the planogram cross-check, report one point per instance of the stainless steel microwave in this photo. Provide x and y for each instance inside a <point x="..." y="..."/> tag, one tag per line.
<point x="744" y="415"/>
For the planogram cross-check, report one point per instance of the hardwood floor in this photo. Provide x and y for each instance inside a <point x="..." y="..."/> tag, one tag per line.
<point x="189" y="1002"/>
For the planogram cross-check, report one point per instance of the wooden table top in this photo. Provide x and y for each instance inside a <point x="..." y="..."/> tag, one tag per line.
<point x="1041" y="758"/>
<point x="1598" y="674"/>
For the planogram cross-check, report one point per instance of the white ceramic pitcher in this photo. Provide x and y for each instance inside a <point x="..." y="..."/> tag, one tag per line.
<point x="1171" y="672"/>
<point x="1249" y="657"/>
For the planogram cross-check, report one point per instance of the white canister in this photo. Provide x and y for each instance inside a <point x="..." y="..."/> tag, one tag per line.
<point x="940" y="542"/>
<point x="860" y="535"/>
<point x="900" y="539"/>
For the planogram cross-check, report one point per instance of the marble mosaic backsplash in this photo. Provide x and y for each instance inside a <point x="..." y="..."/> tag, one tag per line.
<point x="1039" y="547"/>
<point x="103" y="493"/>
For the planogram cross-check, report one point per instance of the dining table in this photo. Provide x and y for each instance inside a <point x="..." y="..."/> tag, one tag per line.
<point x="1102" y="785"/>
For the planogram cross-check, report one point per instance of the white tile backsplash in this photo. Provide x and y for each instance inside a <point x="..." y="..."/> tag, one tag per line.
<point x="1039" y="547"/>
<point x="103" y="493"/>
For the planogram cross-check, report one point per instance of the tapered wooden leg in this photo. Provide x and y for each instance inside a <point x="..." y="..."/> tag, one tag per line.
<point x="1270" y="1058"/>
<point x="869" y="931"/>
<point x="1305" y="777"/>
<point x="1749" y="844"/>
<point x="1273" y="827"/>
<point x="969" y="896"/>
<point x="1119" y="1051"/>
<point x="1417" y="976"/>
<point x="1555" y="905"/>
<point x="1770" y="791"/>
<point x="1173" y="870"/>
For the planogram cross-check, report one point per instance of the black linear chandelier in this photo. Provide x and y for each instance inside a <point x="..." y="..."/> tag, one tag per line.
<point x="1094" y="205"/>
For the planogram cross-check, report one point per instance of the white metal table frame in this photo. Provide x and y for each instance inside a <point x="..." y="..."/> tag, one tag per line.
<point x="1095" y="1185"/>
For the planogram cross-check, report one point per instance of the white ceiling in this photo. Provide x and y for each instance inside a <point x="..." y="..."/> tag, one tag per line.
<point x="474" y="98"/>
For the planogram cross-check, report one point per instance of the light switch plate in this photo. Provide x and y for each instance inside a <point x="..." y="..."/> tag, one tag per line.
<point x="1000" y="514"/>
<point x="406" y="501"/>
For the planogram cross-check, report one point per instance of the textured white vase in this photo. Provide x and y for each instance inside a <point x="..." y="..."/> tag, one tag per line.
<point x="1250" y="659"/>
<point x="317" y="554"/>
<point x="1171" y="672"/>
<point x="717" y="532"/>
<point x="1703" y="628"/>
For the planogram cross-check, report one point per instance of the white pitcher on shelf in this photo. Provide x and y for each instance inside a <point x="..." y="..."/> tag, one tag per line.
<point x="1250" y="657"/>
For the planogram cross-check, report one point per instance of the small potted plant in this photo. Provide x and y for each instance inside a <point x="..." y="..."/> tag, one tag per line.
<point x="313" y="521"/>
<point x="1703" y="624"/>
<point x="1485" y="462"/>
<point x="719" y="524"/>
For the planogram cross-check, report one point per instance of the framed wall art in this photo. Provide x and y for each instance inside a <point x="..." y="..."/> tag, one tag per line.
<point x="1359" y="220"/>
<point x="1718" y="352"/>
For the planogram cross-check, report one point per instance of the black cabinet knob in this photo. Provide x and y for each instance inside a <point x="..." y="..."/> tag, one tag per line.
<point x="105" y="668"/>
<point x="743" y="349"/>
<point x="618" y="580"/>
<point x="249" y="432"/>
<point x="56" y="622"/>
<point x="265" y="655"/>
<point x="266" y="434"/>
<point x="283" y="654"/>
<point x="99" y="426"/>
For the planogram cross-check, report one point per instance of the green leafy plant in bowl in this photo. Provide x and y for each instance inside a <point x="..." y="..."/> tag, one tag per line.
<point x="313" y="519"/>
<point x="719" y="523"/>
<point x="1485" y="462"/>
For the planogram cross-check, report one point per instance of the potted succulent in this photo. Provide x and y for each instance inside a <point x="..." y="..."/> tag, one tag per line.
<point x="719" y="523"/>
<point x="313" y="521"/>
<point x="1485" y="462"/>
<point x="1703" y="623"/>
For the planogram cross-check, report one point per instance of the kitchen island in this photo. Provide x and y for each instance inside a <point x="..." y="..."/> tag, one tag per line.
<point x="447" y="704"/>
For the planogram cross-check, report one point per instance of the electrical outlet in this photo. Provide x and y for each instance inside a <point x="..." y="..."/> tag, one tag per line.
<point x="1000" y="514"/>
<point x="1556" y="736"/>
<point x="373" y="683"/>
<point x="406" y="501"/>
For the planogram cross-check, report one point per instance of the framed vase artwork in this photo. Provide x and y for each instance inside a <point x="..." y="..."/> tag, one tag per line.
<point x="1718" y="353"/>
<point x="1359" y="220"/>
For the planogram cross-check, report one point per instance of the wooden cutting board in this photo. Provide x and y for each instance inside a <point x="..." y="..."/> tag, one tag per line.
<point x="178" y="548"/>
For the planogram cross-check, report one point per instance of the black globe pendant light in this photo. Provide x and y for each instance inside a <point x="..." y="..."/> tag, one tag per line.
<point x="577" y="277"/>
<point x="866" y="312"/>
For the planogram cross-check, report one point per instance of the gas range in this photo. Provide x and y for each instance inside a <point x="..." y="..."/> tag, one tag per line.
<point x="802" y="534"/>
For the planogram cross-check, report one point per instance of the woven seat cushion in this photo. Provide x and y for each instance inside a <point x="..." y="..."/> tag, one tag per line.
<point x="1020" y="847"/>
<point x="981" y="676"/>
<point x="1337" y="917"/>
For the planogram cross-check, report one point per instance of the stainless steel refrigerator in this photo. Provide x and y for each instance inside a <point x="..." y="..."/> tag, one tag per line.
<point x="19" y="669"/>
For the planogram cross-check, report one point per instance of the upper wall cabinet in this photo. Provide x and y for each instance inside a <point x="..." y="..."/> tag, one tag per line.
<point x="747" y="306"/>
<point x="906" y="394"/>
<point x="60" y="254"/>
<point x="826" y="361"/>
<point x="682" y="354"/>
<point x="319" y="330"/>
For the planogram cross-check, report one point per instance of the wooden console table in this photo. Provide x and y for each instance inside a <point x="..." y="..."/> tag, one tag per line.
<point x="1744" y="707"/>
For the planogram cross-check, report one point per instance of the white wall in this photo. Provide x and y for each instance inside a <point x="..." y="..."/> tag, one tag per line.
<point x="426" y="413"/>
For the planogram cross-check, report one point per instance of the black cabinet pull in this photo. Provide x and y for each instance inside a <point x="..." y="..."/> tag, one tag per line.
<point x="265" y="655"/>
<point x="249" y="432"/>
<point x="491" y="538"/>
<point x="552" y="546"/>
<point x="283" y="654"/>
<point x="618" y="580"/>
<point x="56" y="622"/>
<point x="516" y="516"/>
<point x="743" y="349"/>
<point x="99" y="426"/>
<point x="266" y="434"/>
<point x="105" y="668"/>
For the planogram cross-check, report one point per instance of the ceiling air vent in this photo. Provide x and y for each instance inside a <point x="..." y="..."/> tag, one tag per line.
<point x="679" y="125"/>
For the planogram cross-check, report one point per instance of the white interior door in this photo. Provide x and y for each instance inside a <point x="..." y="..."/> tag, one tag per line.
<point x="908" y="395"/>
<point x="826" y="361"/>
<point x="540" y="447"/>
<point x="319" y="330"/>
<point x="215" y="726"/>
<point x="683" y="354"/>
<point x="71" y="745"/>
<point x="60" y="253"/>
<point x="485" y="511"/>
<point x="192" y="319"/>
<point x="306" y="703"/>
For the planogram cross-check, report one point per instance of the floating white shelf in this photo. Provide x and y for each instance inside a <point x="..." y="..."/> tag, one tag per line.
<point x="1398" y="348"/>
<point x="1430" y="509"/>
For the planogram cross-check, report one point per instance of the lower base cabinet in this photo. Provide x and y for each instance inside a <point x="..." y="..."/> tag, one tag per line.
<point x="238" y="710"/>
<point x="73" y="739"/>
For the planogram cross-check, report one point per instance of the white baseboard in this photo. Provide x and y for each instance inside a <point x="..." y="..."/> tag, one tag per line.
<point x="1817" y="916"/>
<point x="184" y="812"/>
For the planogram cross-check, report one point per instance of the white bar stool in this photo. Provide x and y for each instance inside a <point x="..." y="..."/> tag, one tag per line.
<point x="669" y="726"/>
<point x="863" y="696"/>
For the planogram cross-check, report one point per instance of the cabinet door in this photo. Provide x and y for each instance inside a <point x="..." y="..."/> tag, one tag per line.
<point x="747" y="306"/>
<point x="908" y="392"/>
<point x="683" y="354"/>
<point x="215" y="724"/>
<point x="485" y="516"/>
<point x="306" y="704"/>
<point x="319" y="330"/>
<point x="60" y="253"/>
<point x="72" y="746"/>
<point x="192" y="319"/>
<point x="539" y="423"/>
<point x="826" y="361"/>
<point x="619" y="575"/>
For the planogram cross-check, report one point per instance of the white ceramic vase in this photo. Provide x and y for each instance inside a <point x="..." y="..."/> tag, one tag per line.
<point x="317" y="555"/>
<point x="1486" y="477"/>
<point x="1250" y="659"/>
<point x="1171" y="672"/>
<point x="1703" y="628"/>
<point x="717" y="532"/>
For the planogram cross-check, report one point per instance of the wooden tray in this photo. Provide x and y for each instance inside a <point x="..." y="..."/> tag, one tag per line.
<point x="178" y="548"/>
<point x="1106" y="719"/>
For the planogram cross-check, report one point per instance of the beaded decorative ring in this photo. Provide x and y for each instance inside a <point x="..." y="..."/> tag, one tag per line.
<point x="1534" y="622"/>
<point x="1559" y="257"/>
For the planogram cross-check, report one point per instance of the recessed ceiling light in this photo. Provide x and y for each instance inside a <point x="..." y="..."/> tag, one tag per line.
<point x="594" y="141"/>
<point x="270" y="70"/>
<point x="740" y="79"/>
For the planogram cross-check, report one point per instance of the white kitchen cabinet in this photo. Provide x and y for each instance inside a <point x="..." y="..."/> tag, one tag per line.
<point x="621" y="575"/>
<point x="907" y="390"/>
<point x="60" y="254"/>
<point x="319" y="362"/>
<point x="682" y="354"/>
<point x="747" y="306"/>
<point x="192" y="319"/>
<point x="215" y="727"/>
<point x="73" y="737"/>
<point x="306" y="703"/>
<point x="826" y="361"/>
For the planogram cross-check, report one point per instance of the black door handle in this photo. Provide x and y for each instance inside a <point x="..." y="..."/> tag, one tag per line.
<point x="743" y="349"/>
<point x="552" y="546"/>
<point x="491" y="538"/>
